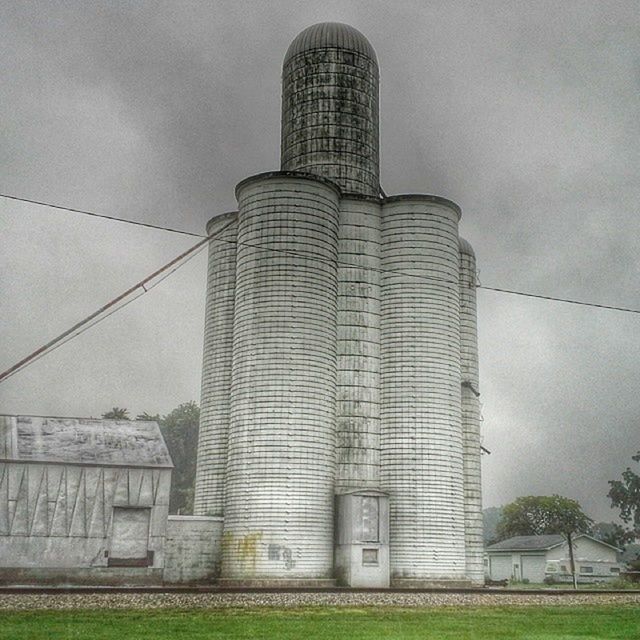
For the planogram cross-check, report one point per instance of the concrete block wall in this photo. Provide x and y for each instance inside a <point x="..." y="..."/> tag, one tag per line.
<point x="192" y="549"/>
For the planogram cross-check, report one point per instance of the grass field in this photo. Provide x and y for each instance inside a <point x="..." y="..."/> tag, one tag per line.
<point x="490" y="623"/>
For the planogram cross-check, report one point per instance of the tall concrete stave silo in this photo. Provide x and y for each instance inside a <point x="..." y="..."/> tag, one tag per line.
<point x="281" y="446"/>
<point x="474" y="546"/>
<point x="422" y="465"/>
<point x="216" y="367"/>
<point x="330" y="108"/>
<point x="358" y="391"/>
<point x="340" y="355"/>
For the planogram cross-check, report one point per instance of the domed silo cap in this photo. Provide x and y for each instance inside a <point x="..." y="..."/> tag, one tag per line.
<point x="465" y="247"/>
<point x="330" y="35"/>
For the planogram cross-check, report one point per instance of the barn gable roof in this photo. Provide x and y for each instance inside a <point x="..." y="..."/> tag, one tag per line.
<point x="134" y="443"/>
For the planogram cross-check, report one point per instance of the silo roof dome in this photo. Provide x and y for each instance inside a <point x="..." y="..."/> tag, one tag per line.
<point x="330" y="35"/>
<point x="465" y="247"/>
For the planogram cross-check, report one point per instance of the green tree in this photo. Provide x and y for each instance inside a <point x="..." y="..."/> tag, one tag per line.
<point x="116" y="414"/>
<point x="625" y="495"/>
<point x="180" y="431"/>
<point x="148" y="417"/>
<point x="490" y="518"/>
<point x="611" y="533"/>
<point x="543" y="515"/>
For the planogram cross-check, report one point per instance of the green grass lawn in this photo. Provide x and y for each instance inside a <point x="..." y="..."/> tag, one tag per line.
<point x="525" y="623"/>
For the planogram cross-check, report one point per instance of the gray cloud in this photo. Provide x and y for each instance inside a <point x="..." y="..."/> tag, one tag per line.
<point x="525" y="113"/>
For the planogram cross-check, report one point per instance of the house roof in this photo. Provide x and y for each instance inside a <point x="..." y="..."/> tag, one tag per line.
<point x="134" y="443"/>
<point x="538" y="543"/>
<point x="527" y="543"/>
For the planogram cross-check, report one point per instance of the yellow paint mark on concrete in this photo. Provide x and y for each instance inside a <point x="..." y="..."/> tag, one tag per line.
<point x="248" y="547"/>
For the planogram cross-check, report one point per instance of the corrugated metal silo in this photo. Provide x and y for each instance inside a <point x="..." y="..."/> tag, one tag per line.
<point x="281" y="448"/>
<point x="330" y="107"/>
<point x="216" y="366"/>
<point x="421" y="433"/>
<point x="470" y="414"/>
<point x="358" y="401"/>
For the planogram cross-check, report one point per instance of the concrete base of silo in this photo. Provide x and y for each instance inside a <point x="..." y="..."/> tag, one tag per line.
<point x="276" y="583"/>
<point x="439" y="583"/>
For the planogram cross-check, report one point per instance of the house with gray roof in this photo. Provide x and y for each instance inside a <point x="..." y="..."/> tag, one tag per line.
<point x="536" y="558"/>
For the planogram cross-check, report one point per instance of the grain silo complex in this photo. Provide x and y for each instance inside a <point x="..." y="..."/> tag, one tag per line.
<point x="339" y="437"/>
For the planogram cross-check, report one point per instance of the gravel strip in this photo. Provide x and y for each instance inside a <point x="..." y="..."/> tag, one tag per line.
<point x="290" y="600"/>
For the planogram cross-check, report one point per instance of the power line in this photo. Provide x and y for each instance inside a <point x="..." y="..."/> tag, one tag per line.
<point x="98" y="315"/>
<point x="98" y="320"/>
<point x="321" y="259"/>
<point x="567" y="300"/>
<point x="101" y="215"/>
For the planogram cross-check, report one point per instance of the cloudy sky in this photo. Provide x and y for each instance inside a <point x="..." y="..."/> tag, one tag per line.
<point x="525" y="113"/>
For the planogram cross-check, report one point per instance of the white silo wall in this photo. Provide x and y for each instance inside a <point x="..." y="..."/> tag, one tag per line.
<point x="421" y="432"/>
<point x="358" y="394"/>
<point x="281" y="448"/>
<point x="216" y="367"/>
<point x="470" y="414"/>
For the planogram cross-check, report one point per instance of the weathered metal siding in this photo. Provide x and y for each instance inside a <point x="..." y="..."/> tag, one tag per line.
<point x="61" y="515"/>
<point x="281" y="446"/>
<point x="78" y="496"/>
<point x="470" y="414"/>
<point x="421" y="432"/>
<point x="358" y="401"/>
<point x="216" y="367"/>
<point x="330" y="109"/>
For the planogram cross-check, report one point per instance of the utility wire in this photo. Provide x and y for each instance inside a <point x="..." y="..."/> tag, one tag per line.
<point x="99" y="319"/>
<point x="567" y="300"/>
<point x="101" y="215"/>
<point x="97" y="316"/>
<point x="321" y="259"/>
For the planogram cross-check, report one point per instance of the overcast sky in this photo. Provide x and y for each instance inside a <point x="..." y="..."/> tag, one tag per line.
<point x="525" y="113"/>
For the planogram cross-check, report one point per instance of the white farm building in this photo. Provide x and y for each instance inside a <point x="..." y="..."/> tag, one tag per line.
<point x="536" y="558"/>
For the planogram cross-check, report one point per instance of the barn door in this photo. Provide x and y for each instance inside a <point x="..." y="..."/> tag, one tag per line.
<point x="130" y="536"/>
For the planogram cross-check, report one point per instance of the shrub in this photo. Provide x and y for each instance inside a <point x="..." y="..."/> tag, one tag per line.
<point x="623" y="583"/>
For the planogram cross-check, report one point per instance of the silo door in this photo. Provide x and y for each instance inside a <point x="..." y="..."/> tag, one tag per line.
<point x="129" y="537"/>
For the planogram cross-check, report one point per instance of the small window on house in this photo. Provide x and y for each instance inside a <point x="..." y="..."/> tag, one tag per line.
<point x="552" y="568"/>
<point x="615" y="569"/>
<point x="586" y="569"/>
<point x="563" y="568"/>
<point x="369" y="557"/>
